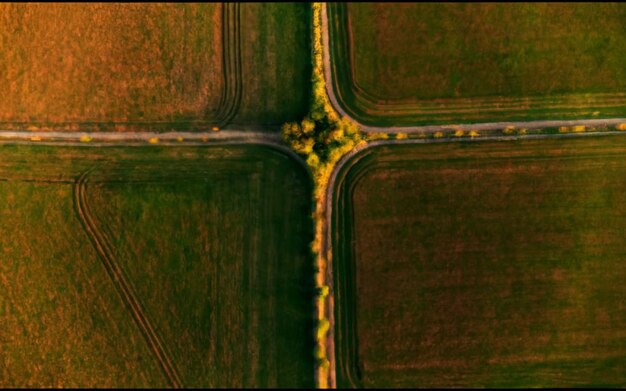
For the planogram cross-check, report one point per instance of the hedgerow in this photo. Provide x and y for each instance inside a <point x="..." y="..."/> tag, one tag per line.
<point x="322" y="137"/>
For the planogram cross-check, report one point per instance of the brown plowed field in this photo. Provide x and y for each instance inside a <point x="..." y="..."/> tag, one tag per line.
<point x="124" y="67"/>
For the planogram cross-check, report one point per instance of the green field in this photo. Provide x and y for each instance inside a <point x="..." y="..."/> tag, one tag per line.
<point x="411" y="64"/>
<point x="154" y="266"/>
<point x="124" y="67"/>
<point x="277" y="63"/>
<point x="484" y="264"/>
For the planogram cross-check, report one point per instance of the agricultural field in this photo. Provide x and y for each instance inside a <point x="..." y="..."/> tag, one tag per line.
<point x="416" y="64"/>
<point x="200" y="195"/>
<point x="277" y="63"/>
<point x="125" y="67"/>
<point x="496" y="264"/>
<point x="154" y="267"/>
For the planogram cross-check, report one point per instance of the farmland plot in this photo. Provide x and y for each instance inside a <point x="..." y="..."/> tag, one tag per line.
<point x="413" y="64"/>
<point x="125" y="67"/>
<point x="179" y="266"/>
<point x="482" y="264"/>
<point x="276" y="59"/>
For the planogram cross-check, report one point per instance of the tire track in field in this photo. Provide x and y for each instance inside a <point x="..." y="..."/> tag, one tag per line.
<point x="119" y="280"/>
<point x="231" y="64"/>
<point x="343" y="355"/>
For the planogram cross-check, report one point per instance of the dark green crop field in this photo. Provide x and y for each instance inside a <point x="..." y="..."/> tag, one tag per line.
<point x="410" y="64"/>
<point x="154" y="266"/>
<point x="482" y="264"/>
<point x="276" y="58"/>
<point x="123" y="67"/>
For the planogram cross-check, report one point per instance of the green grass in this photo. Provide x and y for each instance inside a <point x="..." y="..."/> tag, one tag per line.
<point x="482" y="264"/>
<point x="407" y="64"/>
<point x="211" y="241"/>
<point x="62" y="322"/>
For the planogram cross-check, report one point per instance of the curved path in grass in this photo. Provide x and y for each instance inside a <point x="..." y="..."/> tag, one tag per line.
<point x="231" y="63"/>
<point x="128" y="295"/>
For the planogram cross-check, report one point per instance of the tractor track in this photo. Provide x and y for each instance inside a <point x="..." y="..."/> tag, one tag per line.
<point x="230" y="98"/>
<point x="119" y="281"/>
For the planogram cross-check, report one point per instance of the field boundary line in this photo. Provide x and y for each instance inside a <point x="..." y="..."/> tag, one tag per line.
<point x="119" y="281"/>
<point x="480" y="126"/>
